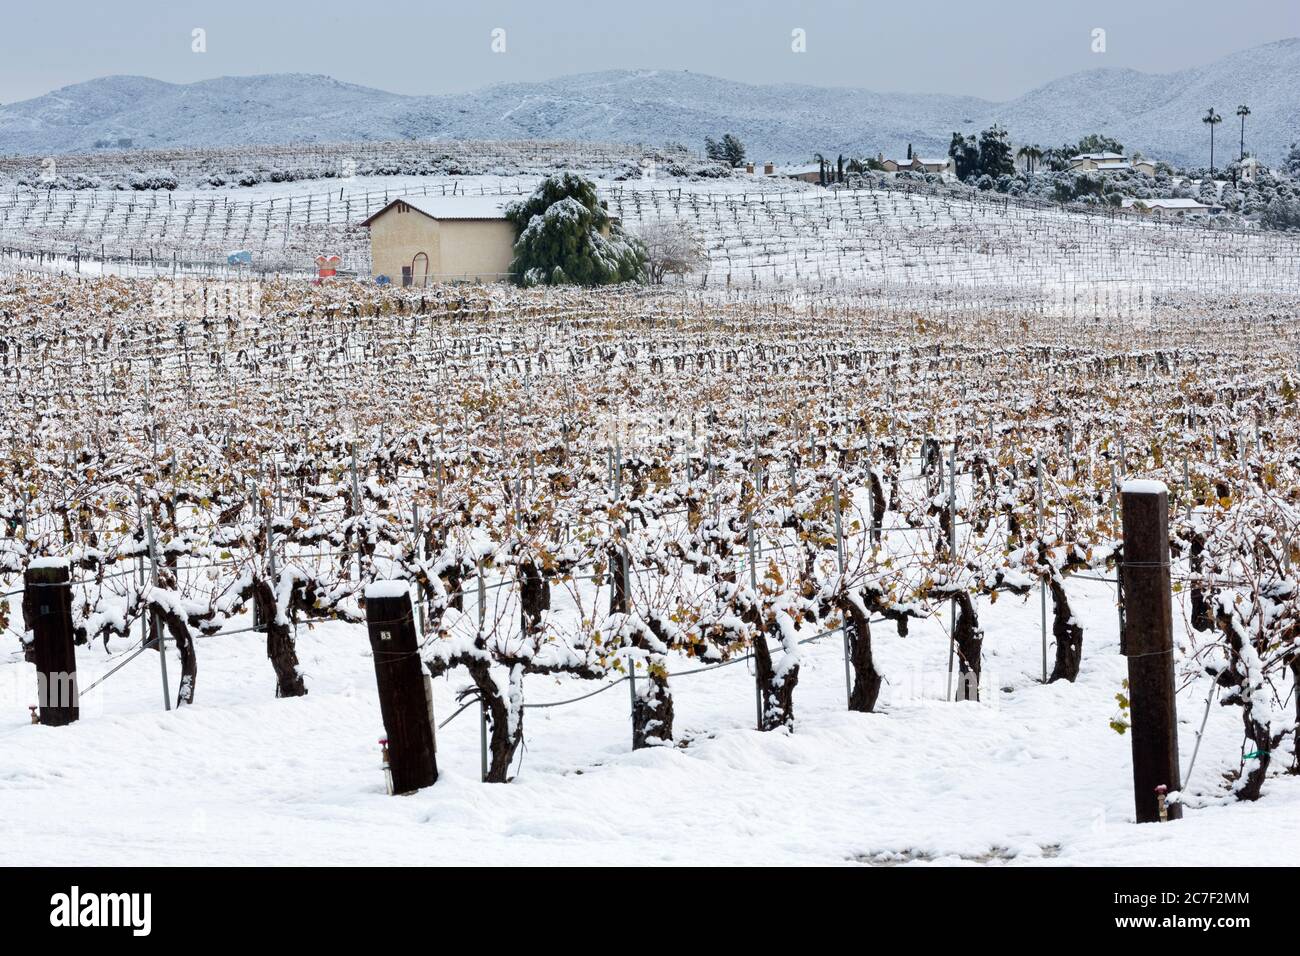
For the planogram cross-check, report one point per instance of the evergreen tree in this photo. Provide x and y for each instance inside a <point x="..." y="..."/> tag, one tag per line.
<point x="965" y="155"/>
<point x="995" y="153"/>
<point x="565" y="235"/>
<point x="1057" y="158"/>
<point x="733" y="150"/>
<point x="1291" y="164"/>
<point x="729" y="150"/>
<point x="1095" y="143"/>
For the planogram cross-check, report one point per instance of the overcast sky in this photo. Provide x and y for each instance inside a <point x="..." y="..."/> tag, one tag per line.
<point x="996" y="49"/>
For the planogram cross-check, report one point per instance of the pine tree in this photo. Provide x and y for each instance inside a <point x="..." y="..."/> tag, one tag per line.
<point x="565" y="235"/>
<point x="733" y="150"/>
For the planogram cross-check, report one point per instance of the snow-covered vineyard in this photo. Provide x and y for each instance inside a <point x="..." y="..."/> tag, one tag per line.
<point x="755" y="232"/>
<point x="181" y="211"/>
<point x="713" y="574"/>
<point x="922" y="236"/>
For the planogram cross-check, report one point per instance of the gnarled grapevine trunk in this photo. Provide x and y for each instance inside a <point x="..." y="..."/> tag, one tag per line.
<point x="180" y="633"/>
<point x="1240" y="677"/>
<point x="505" y="717"/>
<point x="1202" y="619"/>
<point x="652" y="712"/>
<point x="1255" y="770"/>
<point x="969" y="642"/>
<point x="776" y="689"/>
<point x="453" y="581"/>
<point x="534" y="598"/>
<point x="1295" y="732"/>
<point x="877" y="507"/>
<point x="652" y="709"/>
<point x="1068" y="634"/>
<point x="280" y="646"/>
<point x="866" y="679"/>
<point x="618" y="575"/>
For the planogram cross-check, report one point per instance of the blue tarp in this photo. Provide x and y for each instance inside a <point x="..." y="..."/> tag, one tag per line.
<point x="241" y="258"/>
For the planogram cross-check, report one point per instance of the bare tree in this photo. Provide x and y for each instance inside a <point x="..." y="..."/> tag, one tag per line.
<point x="672" y="248"/>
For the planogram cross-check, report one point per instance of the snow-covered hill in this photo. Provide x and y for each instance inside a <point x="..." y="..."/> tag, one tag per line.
<point x="1158" y="114"/>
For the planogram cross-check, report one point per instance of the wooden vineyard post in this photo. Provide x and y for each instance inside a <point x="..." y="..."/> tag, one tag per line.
<point x="403" y="687"/>
<point x="47" y="613"/>
<point x="1147" y="641"/>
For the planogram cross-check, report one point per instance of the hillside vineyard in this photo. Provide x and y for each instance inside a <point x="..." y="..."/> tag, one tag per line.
<point x="647" y="482"/>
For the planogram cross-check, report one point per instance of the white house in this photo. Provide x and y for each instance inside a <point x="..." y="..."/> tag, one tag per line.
<point x="1108" y="163"/>
<point x="919" y="164"/>
<point x="1168" y="208"/>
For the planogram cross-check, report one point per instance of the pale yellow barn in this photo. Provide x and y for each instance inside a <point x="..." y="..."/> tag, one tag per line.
<point x="418" y="240"/>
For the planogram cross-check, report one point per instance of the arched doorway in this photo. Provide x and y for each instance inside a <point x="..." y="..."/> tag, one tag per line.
<point x="420" y="269"/>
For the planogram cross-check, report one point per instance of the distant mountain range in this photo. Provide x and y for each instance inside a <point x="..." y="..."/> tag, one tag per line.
<point x="1158" y="114"/>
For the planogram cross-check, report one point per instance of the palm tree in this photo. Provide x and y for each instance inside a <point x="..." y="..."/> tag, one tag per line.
<point x="1243" y="111"/>
<point x="1211" y="119"/>
<point x="1023" y="153"/>
<point x="1031" y="155"/>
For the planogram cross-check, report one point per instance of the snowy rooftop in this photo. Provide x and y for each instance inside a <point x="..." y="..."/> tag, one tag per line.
<point x="461" y="207"/>
<point x="1129" y="202"/>
<point x="454" y="207"/>
<point x="1096" y="156"/>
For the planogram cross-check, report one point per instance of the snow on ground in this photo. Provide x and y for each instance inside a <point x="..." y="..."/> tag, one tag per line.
<point x="755" y="230"/>
<point x="1032" y="776"/>
<point x="284" y="225"/>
